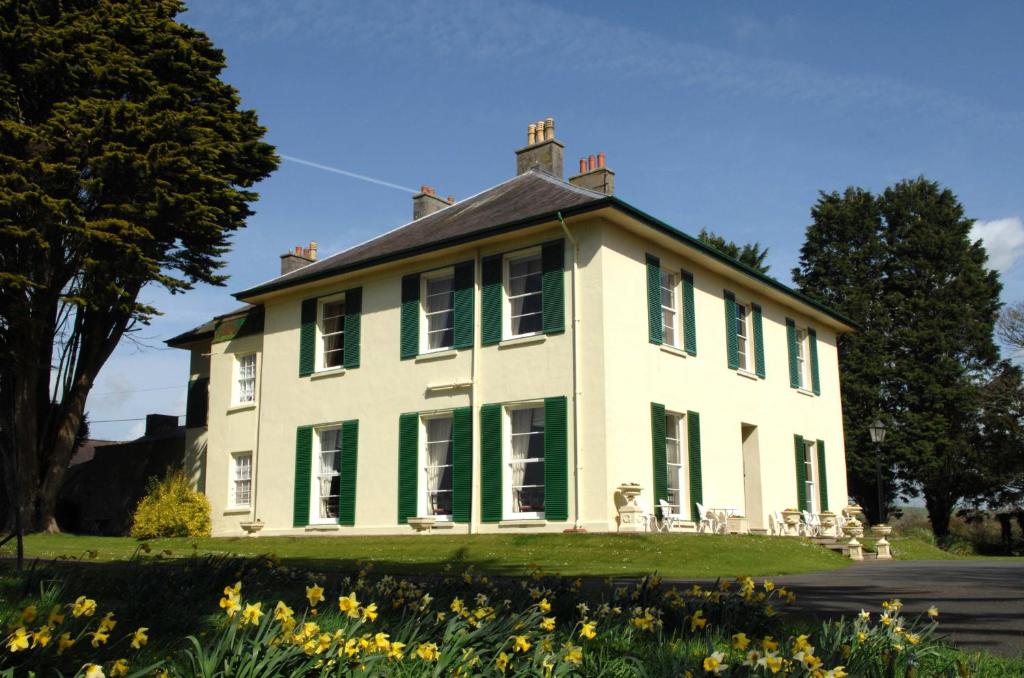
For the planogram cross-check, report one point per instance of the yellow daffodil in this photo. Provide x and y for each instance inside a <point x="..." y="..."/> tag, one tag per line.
<point x="252" y="614"/>
<point x="93" y="671"/>
<point x="697" y="621"/>
<point x="548" y="623"/>
<point x="349" y="605"/>
<point x="83" y="607"/>
<point x="235" y="590"/>
<point x="862" y="636"/>
<point x="119" y="668"/>
<point x="837" y="672"/>
<point x="18" y="640"/>
<point x="501" y="662"/>
<point x="428" y="652"/>
<point x="380" y="641"/>
<point x="314" y="594"/>
<point x="913" y="638"/>
<point x="139" y="638"/>
<point x="772" y="662"/>
<point x="885" y="619"/>
<point x="457" y="606"/>
<point x="230" y="604"/>
<point x="752" y="659"/>
<point x="769" y="644"/>
<point x="395" y="651"/>
<point x="107" y="623"/>
<point x="42" y="637"/>
<point x="99" y="638"/>
<point x="715" y="663"/>
<point x="864" y="615"/>
<point x="588" y="630"/>
<point x="64" y="641"/>
<point x="55" y="618"/>
<point x="573" y="654"/>
<point x="545" y="606"/>
<point x="933" y="612"/>
<point x="282" y="612"/>
<point x="740" y="641"/>
<point x="800" y="643"/>
<point x="29" y="614"/>
<point x="769" y="586"/>
<point x="521" y="644"/>
<point x="370" y="612"/>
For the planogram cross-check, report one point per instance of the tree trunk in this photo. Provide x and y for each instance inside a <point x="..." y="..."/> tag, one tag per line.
<point x="940" y="510"/>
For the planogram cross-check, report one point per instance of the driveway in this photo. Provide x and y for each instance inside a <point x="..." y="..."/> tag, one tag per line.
<point x="981" y="603"/>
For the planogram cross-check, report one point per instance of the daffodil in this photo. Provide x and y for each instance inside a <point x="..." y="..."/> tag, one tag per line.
<point x="548" y="623"/>
<point x="83" y="607"/>
<point x="521" y="644"/>
<point x="119" y="668"/>
<point x="837" y="672"/>
<point x="252" y="614"/>
<point x="314" y="594"/>
<point x="428" y="652"/>
<point x="501" y="662"/>
<point x="573" y="654"/>
<point x="55" y="617"/>
<point x="588" y="630"/>
<point x="715" y="663"/>
<point x="64" y="641"/>
<point x="395" y="651"/>
<point x="370" y="612"/>
<point x="545" y="606"/>
<point x="752" y="659"/>
<point x="139" y="638"/>
<point x="740" y="641"/>
<point x="933" y="612"/>
<point x="349" y="605"/>
<point x="457" y="606"/>
<point x="282" y="612"/>
<point x="93" y="671"/>
<point x="42" y="637"/>
<point x="769" y="644"/>
<point x="99" y="638"/>
<point x="107" y="623"/>
<point x="864" y="615"/>
<point x="18" y="640"/>
<point x="230" y="604"/>
<point x="29" y="614"/>
<point x="772" y="662"/>
<point x="697" y="621"/>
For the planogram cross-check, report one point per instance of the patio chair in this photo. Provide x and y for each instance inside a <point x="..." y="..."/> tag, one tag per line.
<point x="708" y="520"/>
<point x="810" y="526"/>
<point x="670" y="518"/>
<point x="650" y="519"/>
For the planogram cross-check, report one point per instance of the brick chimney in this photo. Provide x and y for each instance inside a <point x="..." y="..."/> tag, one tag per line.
<point x="427" y="202"/>
<point x="594" y="175"/>
<point x="291" y="261"/>
<point x="542" y="151"/>
<point x="158" y="423"/>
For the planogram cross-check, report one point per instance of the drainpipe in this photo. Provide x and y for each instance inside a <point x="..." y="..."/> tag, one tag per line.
<point x="259" y="418"/>
<point x="576" y="393"/>
<point x="473" y="371"/>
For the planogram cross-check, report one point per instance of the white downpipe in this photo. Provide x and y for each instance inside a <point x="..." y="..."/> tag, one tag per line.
<point x="576" y="391"/>
<point x="474" y="409"/>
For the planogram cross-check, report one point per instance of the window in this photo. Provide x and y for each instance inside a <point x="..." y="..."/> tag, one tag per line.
<point x="809" y="484"/>
<point x="801" y="358"/>
<point x="246" y="366"/>
<point x="241" y="479"/>
<point x="524" y="276"/>
<point x="332" y="332"/>
<point x="669" y="323"/>
<point x="438" y="467"/>
<point x="526" y="461"/>
<point x="439" y="310"/>
<point x="674" y="458"/>
<point x="742" y="341"/>
<point x="327" y="476"/>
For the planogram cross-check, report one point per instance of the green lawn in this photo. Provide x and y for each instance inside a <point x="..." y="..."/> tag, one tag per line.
<point x="675" y="555"/>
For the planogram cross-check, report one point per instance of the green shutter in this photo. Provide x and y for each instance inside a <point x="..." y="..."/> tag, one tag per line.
<point x="307" y="338"/>
<point x="696" y="473"/>
<point x="490" y="463"/>
<point x="303" y="467"/>
<point x="552" y="256"/>
<point x="659" y="460"/>
<point x="463" y="305"/>
<point x="410" y="331"/>
<point x="490" y="300"/>
<point x="556" y="459"/>
<point x="408" y="465"/>
<point x="197" y="403"/>
<point x="822" y="476"/>
<point x="654" y="299"/>
<point x="794" y="368"/>
<point x="689" y="315"/>
<point x="462" y="463"/>
<point x="801" y="472"/>
<point x="758" y="341"/>
<point x="349" y="465"/>
<point x="812" y="340"/>
<point x="732" y="346"/>
<point x="353" y="325"/>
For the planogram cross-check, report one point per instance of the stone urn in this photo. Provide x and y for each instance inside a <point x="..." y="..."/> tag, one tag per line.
<point x="853" y="528"/>
<point x="252" y="527"/>
<point x="852" y="511"/>
<point x="738" y="525"/>
<point x="792" y="519"/>
<point x="631" y="516"/>
<point x="828" y="522"/>
<point x="422" y="524"/>
<point x="882" y="550"/>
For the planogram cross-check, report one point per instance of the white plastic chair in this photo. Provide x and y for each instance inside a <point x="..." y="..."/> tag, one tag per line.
<point x="811" y="525"/>
<point x="650" y="519"/>
<point x="781" y="525"/>
<point x="670" y="518"/>
<point x="708" y="520"/>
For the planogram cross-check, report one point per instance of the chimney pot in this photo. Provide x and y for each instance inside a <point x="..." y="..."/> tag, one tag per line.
<point x="600" y="160"/>
<point x="531" y="134"/>
<point x="542" y="151"/>
<point x="298" y="250"/>
<point x="549" y="128"/>
<point x="451" y="199"/>
<point x="583" y="165"/>
<point x="591" y="163"/>
<point x="594" y="175"/>
<point x="312" y="250"/>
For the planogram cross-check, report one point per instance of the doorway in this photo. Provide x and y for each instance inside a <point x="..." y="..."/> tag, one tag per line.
<point x="753" y="504"/>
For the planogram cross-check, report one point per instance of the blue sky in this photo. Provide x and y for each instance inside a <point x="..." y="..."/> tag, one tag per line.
<point x="730" y="116"/>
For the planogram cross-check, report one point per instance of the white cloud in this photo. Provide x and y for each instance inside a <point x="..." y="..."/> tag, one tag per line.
<point x="1003" y="240"/>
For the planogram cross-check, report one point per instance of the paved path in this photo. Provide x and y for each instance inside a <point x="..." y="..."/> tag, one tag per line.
<point x="981" y="603"/>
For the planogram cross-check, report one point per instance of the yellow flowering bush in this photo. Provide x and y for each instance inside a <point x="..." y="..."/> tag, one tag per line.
<point x="171" y="508"/>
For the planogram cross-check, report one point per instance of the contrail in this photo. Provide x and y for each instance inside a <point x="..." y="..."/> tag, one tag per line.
<point x="346" y="173"/>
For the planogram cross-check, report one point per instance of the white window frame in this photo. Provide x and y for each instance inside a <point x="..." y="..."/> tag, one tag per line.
<point x="448" y="272"/>
<point x="744" y="340"/>
<point x="802" y="362"/>
<point x="423" y="502"/>
<point x="674" y="289"/>
<point x="682" y="468"/>
<point x="506" y="287"/>
<point x="314" y="475"/>
<point x="320" y="304"/>
<point x="811" y="471"/>
<point x="234" y="479"/>
<point x="237" y="390"/>
<point x="506" y="454"/>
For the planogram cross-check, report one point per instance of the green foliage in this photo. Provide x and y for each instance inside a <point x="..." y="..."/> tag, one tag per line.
<point x="750" y="254"/>
<point x="902" y="264"/>
<point x="171" y="508"/>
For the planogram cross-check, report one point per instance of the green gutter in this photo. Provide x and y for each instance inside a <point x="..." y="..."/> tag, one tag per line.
<point x="600" y="203"/>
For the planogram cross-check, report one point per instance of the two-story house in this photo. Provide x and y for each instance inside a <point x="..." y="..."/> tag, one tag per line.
<point x="505" y="362"/>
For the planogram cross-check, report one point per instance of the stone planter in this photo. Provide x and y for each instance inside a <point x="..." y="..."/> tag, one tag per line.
<point x="251" y="528"/>
<point x="422" y="524"/>
<point x="882" y="551"/>
<point x="792" y="519"/>
<point x="631" y="516"/>
<point x="881" y="531"/>
<point x="828" y="523"/>
<point x="738" y="525"/>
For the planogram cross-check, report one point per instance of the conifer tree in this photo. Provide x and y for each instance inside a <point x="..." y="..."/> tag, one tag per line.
<point x="753" y="255"/>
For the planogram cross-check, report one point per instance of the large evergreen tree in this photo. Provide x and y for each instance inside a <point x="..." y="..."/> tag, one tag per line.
<point x="126" y="161"/>
<point x="751" y="254"/>
<point x="927" y="304"/>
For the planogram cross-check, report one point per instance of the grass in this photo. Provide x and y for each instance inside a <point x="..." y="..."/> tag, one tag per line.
<point x="673" y="556"/>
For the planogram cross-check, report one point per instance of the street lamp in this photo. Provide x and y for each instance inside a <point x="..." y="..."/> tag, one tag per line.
<point x="877" y="431"/>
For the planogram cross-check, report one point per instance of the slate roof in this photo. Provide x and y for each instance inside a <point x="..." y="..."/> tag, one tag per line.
<point x="529" y="195"/>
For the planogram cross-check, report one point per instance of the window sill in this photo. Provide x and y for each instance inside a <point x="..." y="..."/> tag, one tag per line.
<point x="242" y="407"/>
<point x="523" y="522"/>
<point x="804" y="391"/>
<point x="523" y="341"/>
<point x="674" y="350"/>
<point x="325" y="527"/>
<point x="446" y="354"/>
<point x="748" y="375"/>
<point x="237" y="510"/>
<point x="325" y="374"/>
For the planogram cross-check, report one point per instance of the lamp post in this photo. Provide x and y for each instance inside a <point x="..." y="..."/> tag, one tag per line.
<point x="877" y="431"/>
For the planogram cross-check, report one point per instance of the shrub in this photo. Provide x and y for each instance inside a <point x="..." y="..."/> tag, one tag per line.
<point x="171" y="508"/>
